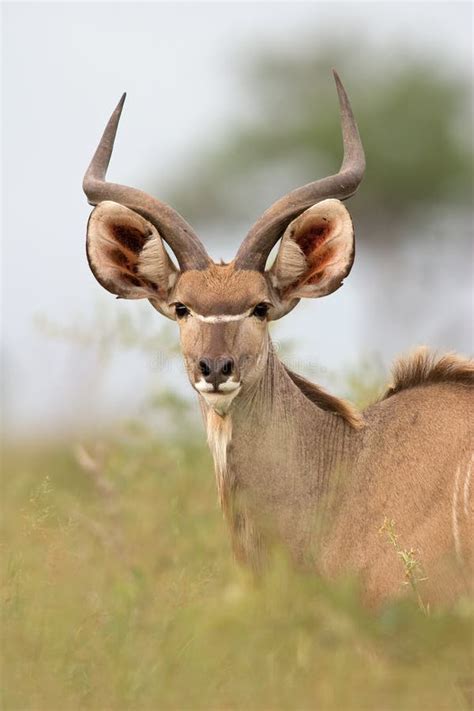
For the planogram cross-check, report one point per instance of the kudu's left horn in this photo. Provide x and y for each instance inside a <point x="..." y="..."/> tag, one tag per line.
<point x="266" y="232"/>
<point x="187" y="247"/>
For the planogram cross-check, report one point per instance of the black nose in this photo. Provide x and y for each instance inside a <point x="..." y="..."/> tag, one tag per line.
<point x="217" y="370"/>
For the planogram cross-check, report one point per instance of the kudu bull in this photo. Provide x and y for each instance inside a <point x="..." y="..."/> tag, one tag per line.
<point x="293" y="463"/>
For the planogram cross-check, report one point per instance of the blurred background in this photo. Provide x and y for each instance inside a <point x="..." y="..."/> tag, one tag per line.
<point x="117" y="585"/>
<point x="229" y="106"/>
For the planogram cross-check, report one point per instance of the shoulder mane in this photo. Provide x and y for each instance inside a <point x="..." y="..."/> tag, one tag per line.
<point x="425" y="368"/>
<point x="327" y="402"/>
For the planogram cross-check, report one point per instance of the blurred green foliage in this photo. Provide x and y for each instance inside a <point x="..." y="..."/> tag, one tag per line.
<point x="414" y="117"/>
<point x="119" y="592"/>
<point x="112" y="330"/>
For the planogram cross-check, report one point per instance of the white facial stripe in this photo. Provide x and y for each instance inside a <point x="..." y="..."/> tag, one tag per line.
<point x="221" y="318"/>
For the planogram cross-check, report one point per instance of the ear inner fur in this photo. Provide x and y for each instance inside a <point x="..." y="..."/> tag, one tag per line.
<point x="126" y="254"/>
<point x="316" y="253"/>
<point x="155" y="264"/>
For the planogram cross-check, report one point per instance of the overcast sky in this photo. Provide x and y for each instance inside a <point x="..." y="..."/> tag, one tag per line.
<point x="64" y="67"/>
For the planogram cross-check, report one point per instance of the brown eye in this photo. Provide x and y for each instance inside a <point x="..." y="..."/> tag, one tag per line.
<point x="181" y="310"/>
<point x="260" y="311"/>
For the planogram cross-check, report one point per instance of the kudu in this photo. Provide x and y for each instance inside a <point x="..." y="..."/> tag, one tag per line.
<point x="294" y="464"/>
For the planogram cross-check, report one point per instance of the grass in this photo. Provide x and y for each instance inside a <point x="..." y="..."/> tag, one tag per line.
<point x="119" y="592"/>
<point x="414" y="572"/>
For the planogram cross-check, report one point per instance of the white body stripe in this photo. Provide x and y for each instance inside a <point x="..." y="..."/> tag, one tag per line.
<point x="457" y="543"/>
<point x="467" y="487"/>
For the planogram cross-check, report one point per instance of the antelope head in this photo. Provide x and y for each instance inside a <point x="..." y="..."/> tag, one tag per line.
<point x="223" y="310"/>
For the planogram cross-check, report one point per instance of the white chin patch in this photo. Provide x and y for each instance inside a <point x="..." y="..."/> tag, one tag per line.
<point x="219" y="401"/>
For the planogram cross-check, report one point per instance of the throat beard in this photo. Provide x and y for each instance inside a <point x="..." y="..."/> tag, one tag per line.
<point x="219" y="435"/>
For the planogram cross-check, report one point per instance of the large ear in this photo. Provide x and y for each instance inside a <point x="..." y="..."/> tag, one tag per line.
<point x="127" y="257"/>
<point x="315" y="255"/>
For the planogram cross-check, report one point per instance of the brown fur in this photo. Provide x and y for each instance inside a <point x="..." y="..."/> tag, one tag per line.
<point x="425" y="368"/>
<point x="221" y="289"/>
